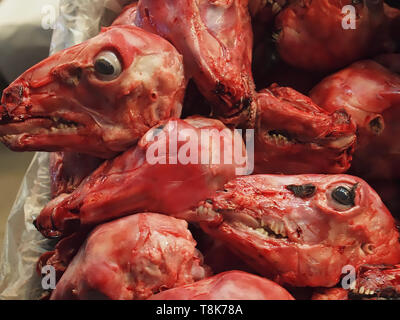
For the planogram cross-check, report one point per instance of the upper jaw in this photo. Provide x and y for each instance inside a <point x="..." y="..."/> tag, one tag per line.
<point x="283" y="138"/>
<point x="287" y="117"/>
<point x="268" y="228"/>
<point x="39" y="122"/>
<point x="29" y="125"/>
<point x="55" y="133"/>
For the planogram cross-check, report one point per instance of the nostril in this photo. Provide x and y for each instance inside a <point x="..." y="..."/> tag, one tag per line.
<point x="14" y="94"/>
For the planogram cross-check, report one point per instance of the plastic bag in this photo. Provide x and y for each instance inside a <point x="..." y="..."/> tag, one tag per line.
<point x="24" y="39"/>
<point x="23" y="244"/>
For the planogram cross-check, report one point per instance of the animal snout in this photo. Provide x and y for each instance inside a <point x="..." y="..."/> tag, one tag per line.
<point x="15" y="103"/>
<point x="13" y="95"/>
<point x="13" y="98"/>
<point x="341" y="117"/>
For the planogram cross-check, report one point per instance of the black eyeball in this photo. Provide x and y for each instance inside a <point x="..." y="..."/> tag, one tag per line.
<point x="107" y="66"/>
<point x="344" y="195"/>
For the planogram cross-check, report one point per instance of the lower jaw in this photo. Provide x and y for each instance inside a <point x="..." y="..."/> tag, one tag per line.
<point x="260" y="253"/>
<point x="243" y="234"/>
<point x="61" y="142"/>
<point x="274" y="258"/>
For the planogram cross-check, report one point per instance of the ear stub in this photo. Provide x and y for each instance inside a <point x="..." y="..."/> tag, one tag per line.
<point x="376" y="125"/>
<point x="302" y="191"/>
<point x="368" y="248"/>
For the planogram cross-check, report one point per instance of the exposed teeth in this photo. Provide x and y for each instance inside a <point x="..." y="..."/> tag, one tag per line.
<point x="277" y="227"/>
<point x="275" y="36"/>
<point x="263" y="231"/>
<point x="369" y="292"/>
<point x="257" y="5"/>
<point x="279" y="139"/>
<point x="201" y="210"/>
<point x="283" y="232"/>
<point x="276" y="8"/>
<point x="364" y="291"/>
<point x="61" y="124"/>
<point x="58" y="124"/>
<point x="206" y="211"/>
<point x="9" y="136"/>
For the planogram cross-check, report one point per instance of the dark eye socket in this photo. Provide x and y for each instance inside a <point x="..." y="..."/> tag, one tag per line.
<point x="344" y="195"/>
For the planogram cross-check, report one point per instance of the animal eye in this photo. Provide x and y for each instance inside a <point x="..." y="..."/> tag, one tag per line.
<point x="107" y="66"/>
<point x="344" y="195"/>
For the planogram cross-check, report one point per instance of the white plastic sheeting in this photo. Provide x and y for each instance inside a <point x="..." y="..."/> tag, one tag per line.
<point x="23" y="244"/>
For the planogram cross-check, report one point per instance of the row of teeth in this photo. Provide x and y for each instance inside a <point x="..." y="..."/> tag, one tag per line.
<point x="206" y="211"/>
<point x="277" y="227"/>
<point x="61" y="125"/>
<point x="279" y="139"/>
<point x="364" y="291"/>
<point x="276" y="8"/>
<point x="9" y="136"/>
<point x="275" y="36"/>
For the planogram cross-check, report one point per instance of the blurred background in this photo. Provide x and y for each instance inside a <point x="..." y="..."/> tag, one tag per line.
<point x="25" y="35"/>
